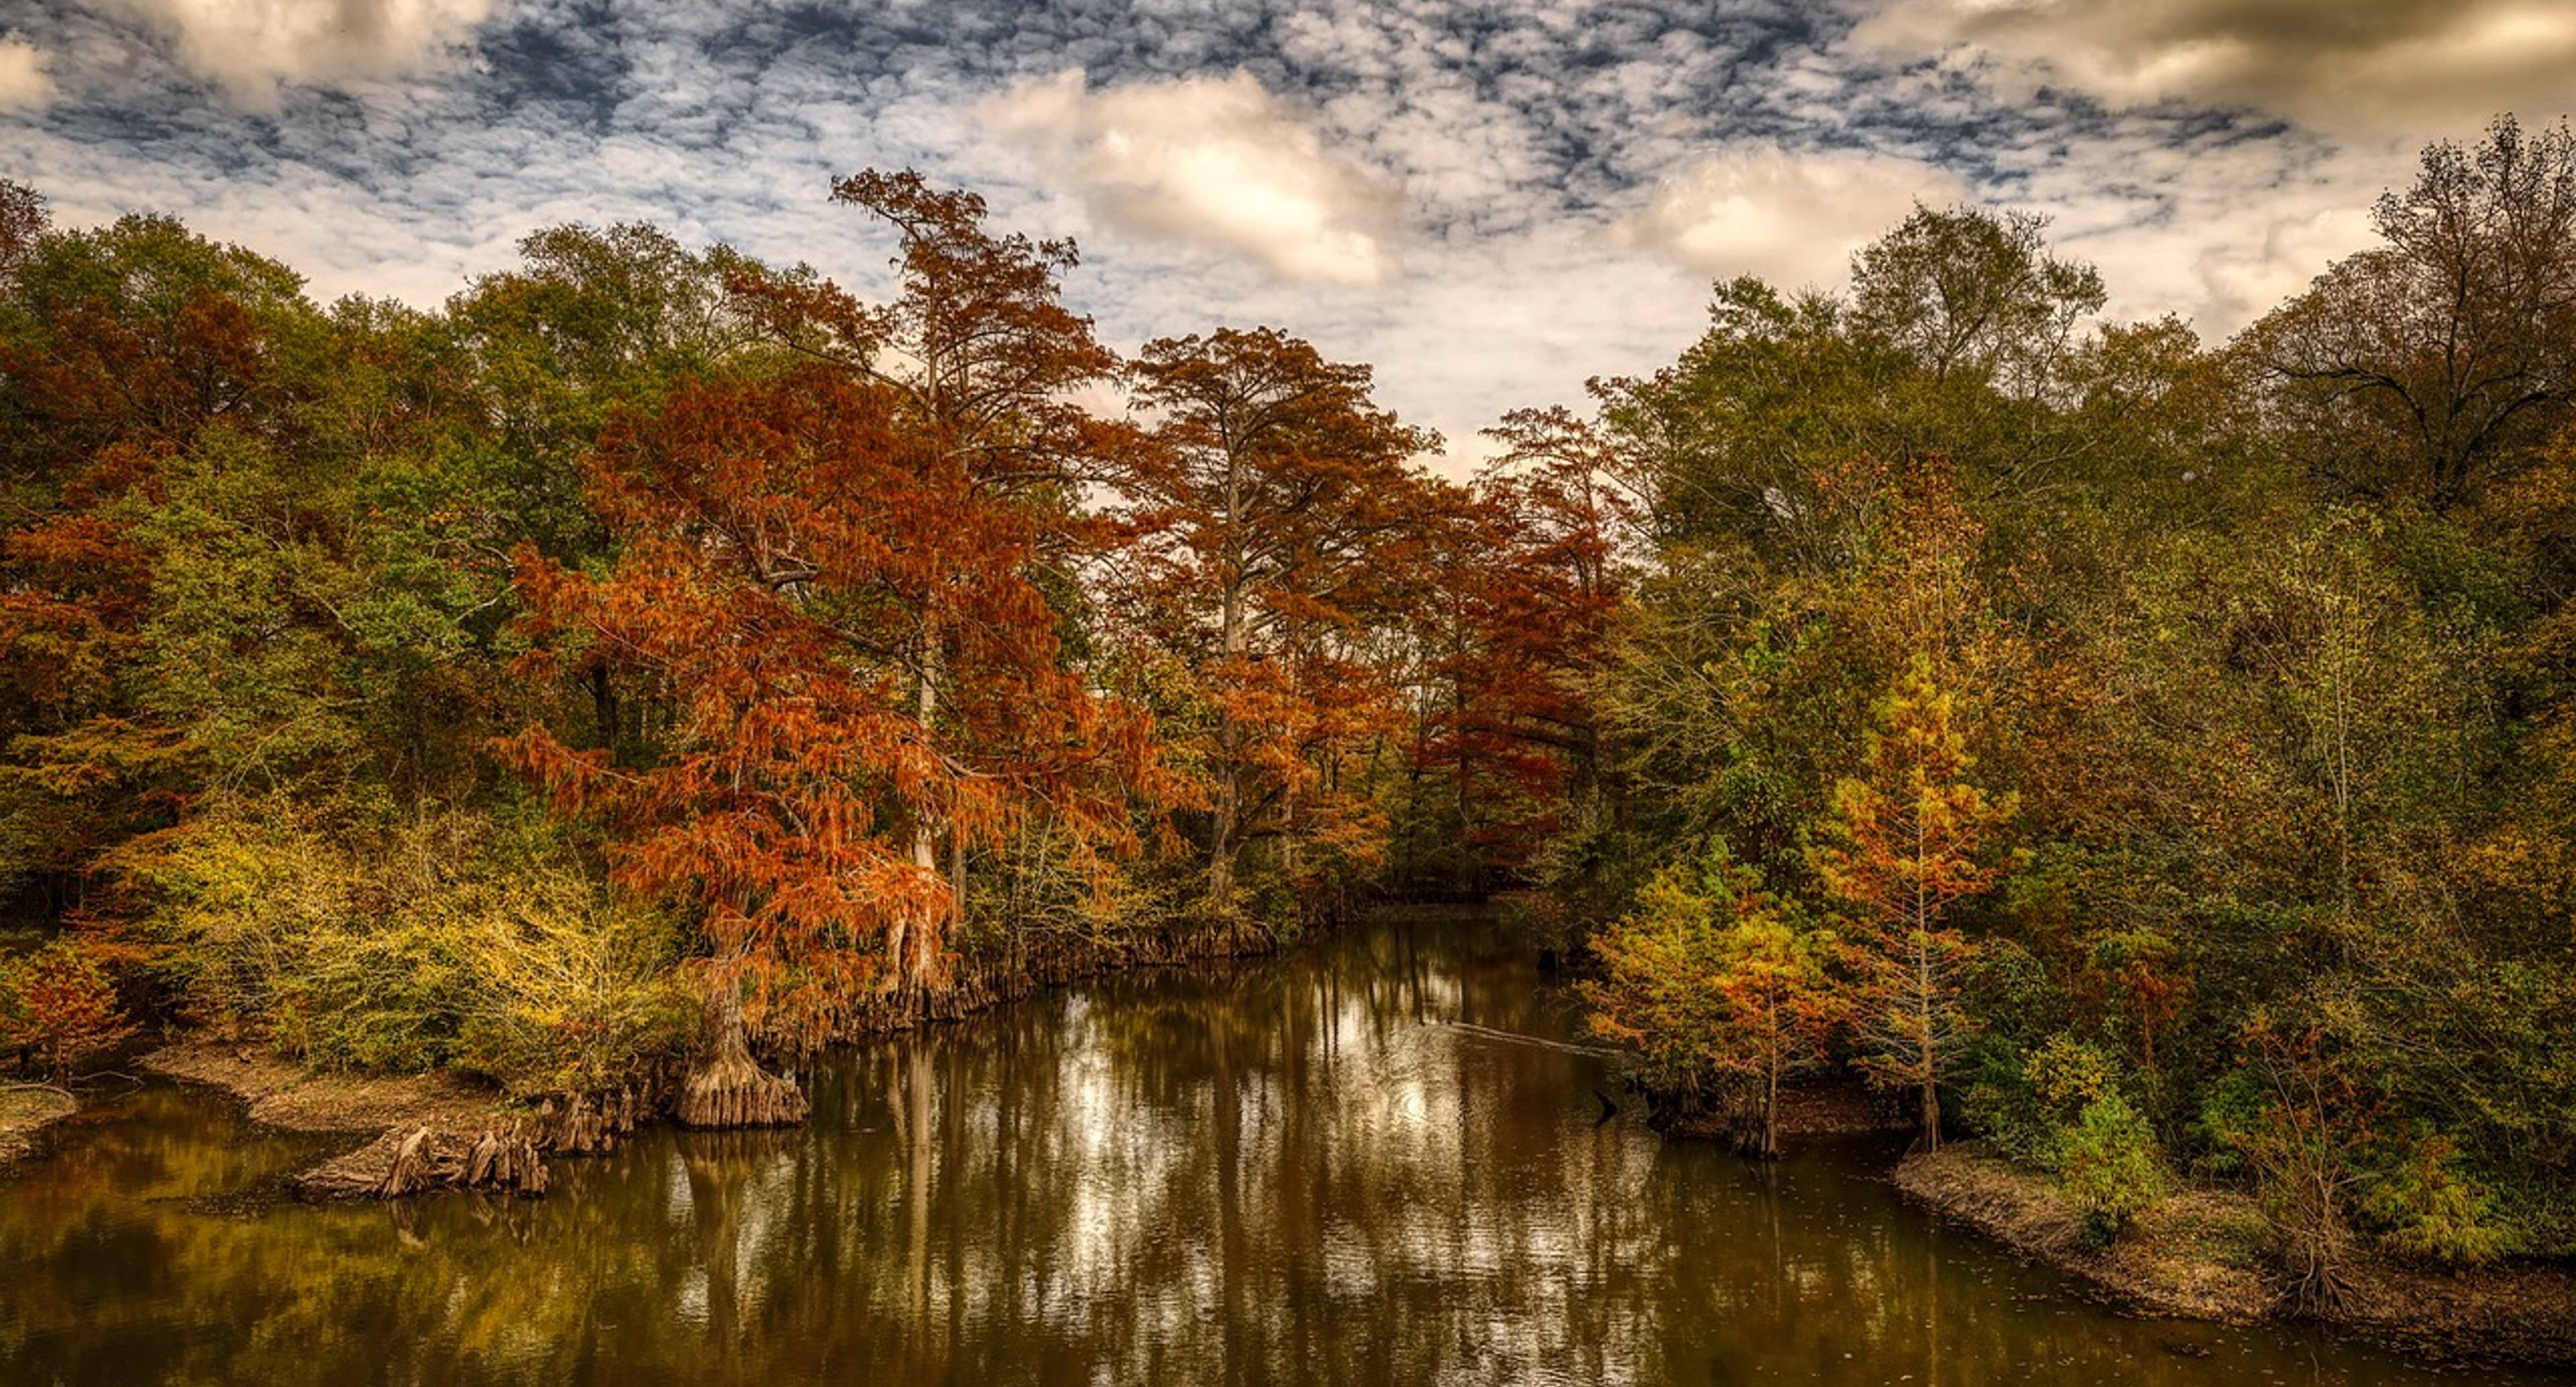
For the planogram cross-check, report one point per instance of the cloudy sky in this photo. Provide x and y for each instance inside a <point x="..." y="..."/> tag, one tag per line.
<point x="1490" y="201"/>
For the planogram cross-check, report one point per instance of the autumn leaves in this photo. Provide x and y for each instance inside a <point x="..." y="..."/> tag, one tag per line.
<point x="916" y="627"/>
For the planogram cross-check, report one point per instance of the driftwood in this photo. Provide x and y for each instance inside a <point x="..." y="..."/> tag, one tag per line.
<point x="412" y="1168"/>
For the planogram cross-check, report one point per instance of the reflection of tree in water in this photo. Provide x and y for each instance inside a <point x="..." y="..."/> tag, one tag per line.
<point x="1274" y="1174"/>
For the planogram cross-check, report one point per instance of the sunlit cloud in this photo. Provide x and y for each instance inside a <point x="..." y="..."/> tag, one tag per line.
<point x="24" y="83"/>
<point x="1793" y="217"/>
<point x="2384" y="67"/>
<point x="250" y="48"/>
<point x="1209" y="162"/>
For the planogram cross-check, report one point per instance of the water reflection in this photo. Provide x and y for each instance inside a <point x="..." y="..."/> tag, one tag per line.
<point x="1279" y="1176"/>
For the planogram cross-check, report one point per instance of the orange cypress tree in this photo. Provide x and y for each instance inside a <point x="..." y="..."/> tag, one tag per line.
<point x="1278" y="514"/>
<point x="783" y="542"/>
<point x="984" y="366"/>
<point x="1901" y="844"/>
<point x="1528" y="587"/>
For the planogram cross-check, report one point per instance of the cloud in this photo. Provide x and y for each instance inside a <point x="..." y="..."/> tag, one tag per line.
<point x="2362" y="67"/>
<point x="1210" y="162"/>
<point x="24" y="83"/>
<point x="1793" y="217"/>
<point x="250" y="48"/>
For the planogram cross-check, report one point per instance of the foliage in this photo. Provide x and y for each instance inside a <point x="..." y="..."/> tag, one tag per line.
<point x="449" y="938"/>
<point x="1900" y="846"/>
<point x="1722" y="988"/>
<point x="59" y="1010"/>
<point x="2427" y="1207"/>
<point x="2107" y="1163"/>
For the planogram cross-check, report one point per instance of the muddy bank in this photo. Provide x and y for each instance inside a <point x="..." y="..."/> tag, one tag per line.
<point x="2199" y="1254"/>
<point x="24" y="1111"/>
<point x="282" y="1093"/>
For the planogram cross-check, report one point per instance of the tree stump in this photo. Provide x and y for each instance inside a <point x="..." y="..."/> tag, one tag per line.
<point x="412" y="1169"/>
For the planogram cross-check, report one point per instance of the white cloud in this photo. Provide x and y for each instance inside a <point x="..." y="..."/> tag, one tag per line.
<point x="24" y="83"/>
<point x="1211" y="162"/>
<point x="2371" y="67"/>
<point x="1791" y="217"/>
<point x="249" y="48"/>
<point x="2243" y="281"/>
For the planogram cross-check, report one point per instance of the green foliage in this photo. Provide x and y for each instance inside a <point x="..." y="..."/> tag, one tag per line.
<point x="2427" y="1207"/>
<point x="2068" y="1076"/>
<point x="2271" y="641"/>
<point x="2107" y="1163"/>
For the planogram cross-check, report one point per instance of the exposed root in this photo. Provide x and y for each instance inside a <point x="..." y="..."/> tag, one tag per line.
<point x="729" y="1088"/>
<point x="501" y="1160"/>
<point x="583" y="1126"/>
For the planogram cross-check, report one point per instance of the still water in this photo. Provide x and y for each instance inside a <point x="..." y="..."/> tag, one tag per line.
<point x="1290" y="1173"/>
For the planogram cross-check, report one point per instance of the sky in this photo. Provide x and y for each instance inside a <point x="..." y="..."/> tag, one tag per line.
<point x="1489" y="202"/>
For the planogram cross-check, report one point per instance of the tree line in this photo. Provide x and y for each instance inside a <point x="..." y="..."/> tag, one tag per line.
<point x="2152" y="756"/>
<point x="653" y="658"/>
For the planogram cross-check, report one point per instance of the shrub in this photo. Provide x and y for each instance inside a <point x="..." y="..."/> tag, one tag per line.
<point x="58" y="1008"/>
<point x="2026" y="1103"/>
<point x="451" y="938"/>
<point x="2107" y="1164"/>
<point x="2426" y="1207"/>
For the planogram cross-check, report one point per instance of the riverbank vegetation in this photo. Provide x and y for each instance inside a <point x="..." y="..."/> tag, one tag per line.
<point x="2150" y="756"/>
<point x="652" y="664"/>
<point x="2163" y="745"/>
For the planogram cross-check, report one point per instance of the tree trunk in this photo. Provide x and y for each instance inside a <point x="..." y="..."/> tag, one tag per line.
<point x="729" y="1088"/>
<point x="1225" y="819"/>
<point x="916" y="946"/>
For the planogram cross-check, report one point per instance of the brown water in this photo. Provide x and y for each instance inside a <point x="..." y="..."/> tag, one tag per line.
<point x="1282" y="1175"/>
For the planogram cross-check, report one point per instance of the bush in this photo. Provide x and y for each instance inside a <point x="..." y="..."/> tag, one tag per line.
<point x="453" y="938"/>
<point x="2107" y="1164"/>
<point x="58" y="1009"/>
<point x="2426" y="1207"/>
<point x="2026" y="1103"/>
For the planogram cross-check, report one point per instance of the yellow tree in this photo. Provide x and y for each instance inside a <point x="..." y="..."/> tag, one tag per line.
<point x="1721" y="989"/>
<point x="1901" y="844"/>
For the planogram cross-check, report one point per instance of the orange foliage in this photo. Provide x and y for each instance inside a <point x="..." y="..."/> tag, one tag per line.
<point x="785" y="541"/>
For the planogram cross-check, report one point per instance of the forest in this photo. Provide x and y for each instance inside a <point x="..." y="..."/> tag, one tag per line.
<point x="2153" y="757"/>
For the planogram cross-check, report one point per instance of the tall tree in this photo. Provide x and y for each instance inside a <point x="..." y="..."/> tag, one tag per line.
<point x="1904" y="842"/>
<point x="987" y="366"/>
<point x="1279" y="505"/>
<point x="2429" y="364"/>
<point x="783" y="542"/>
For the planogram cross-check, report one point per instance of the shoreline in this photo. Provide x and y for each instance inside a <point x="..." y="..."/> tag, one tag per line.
<point x="442" y="1118"/>
<point x="2198" y="1255"/>
<point x="25" y="1113"/>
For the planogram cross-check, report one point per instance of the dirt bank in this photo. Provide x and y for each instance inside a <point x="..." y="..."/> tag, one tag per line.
<point x="2199" y="1254"/>
<point x="24" y="1110"/>
<point x="284" y="1094"/>
<point x="455" y="1113"/>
